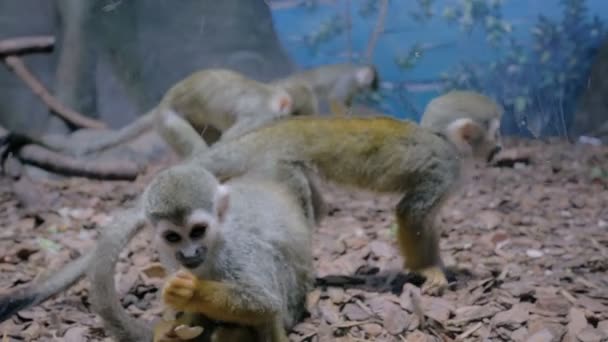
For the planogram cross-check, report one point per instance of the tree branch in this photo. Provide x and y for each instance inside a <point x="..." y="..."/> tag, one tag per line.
<point x="371" y="46"/>
<point x="69" y="166"/>
<point x="26" y="44"/>
<point x="16" y="65"/>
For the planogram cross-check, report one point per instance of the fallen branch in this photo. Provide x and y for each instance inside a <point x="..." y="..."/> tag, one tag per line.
<point x="68" y="166"/>
<point x="16" y="65"/>
<point x="25" y="44"/>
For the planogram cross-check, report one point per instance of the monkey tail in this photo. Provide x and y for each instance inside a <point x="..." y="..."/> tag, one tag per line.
<point x="127" y="133"/>
<point x="103" y="294"/>
<point x="38" y="293"/>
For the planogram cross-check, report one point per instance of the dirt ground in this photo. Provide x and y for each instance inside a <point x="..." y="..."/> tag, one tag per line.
<point x="526" y="245"/>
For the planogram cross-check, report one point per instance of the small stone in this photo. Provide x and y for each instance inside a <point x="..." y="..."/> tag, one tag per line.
<point x="534" y="253"/>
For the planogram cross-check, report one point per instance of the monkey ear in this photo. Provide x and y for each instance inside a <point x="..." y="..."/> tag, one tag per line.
<point x="222" y="202"/>
<point x="365" y="76"/>
<point x="463" y="132"/>
<point x="281" y="103"/>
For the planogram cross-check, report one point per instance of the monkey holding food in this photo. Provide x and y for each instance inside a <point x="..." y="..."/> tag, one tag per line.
<point x="381" y="154"/>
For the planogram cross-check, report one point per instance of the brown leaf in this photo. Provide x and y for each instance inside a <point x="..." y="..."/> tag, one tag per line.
<point x="76" y="334"/>
<point x="418" y="336"/>
<point x="354" y="312"/>
<point x="437" y="308"/>
<point x="543" y="335"/>
<point x="589" y="334"/>
<point x="329" y="311"/>
<point x="512" y="318"/>
<point x="578" y="321"/>
<point x="395" y="319"/>
<point x="382" y="249"/>
<point x="372" y="329"/>
<point x="336" y="294"/>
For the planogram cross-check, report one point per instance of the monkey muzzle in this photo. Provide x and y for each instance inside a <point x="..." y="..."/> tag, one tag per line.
<point x="192" y="257"/>
<point x="493" y="153"/>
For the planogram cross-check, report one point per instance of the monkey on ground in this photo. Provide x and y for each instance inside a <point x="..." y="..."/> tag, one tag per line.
<point x="218" y="99"/>
<point x="338" y="84"/>
<point x="243" y="247"/>
<point x="382" y="154"/>
<point x="246" y="264"/>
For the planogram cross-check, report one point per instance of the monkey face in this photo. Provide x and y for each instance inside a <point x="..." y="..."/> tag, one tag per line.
<point x="187" y="244"/>
<point x="476" y="139"/>
<point x="491" y="145"/>
<point x="375" y="83"/>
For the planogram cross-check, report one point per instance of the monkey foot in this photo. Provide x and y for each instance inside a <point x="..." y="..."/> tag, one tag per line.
<point x="436" y="281"/>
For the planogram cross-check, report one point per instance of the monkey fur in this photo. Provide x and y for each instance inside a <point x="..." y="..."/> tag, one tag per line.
<point x="338" y="84"/>
<point x="381" y="154"/>
<point x="219" y="99"/>
<point x="384" y="154"/>
<point x="251" y="265"/>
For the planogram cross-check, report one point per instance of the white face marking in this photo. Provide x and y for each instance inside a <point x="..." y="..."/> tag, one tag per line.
<point x="494" y="129"/>
<point x="365" y="76"/>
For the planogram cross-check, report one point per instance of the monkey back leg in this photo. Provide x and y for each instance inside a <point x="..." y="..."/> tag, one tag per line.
<point x="418" y="236"/>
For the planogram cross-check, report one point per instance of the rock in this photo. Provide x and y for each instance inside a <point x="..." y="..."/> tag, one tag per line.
<point x="534" y="253"/>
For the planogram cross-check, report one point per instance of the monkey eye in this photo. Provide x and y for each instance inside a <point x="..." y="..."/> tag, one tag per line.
<point x="172" y="237"/>
<point x="198" y="230"/>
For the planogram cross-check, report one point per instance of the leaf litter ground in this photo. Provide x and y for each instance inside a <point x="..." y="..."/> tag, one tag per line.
<point x="526" y="245"/>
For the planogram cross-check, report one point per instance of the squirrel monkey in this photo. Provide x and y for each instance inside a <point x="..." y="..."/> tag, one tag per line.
<point x="223" y="99"/>
<point x="237" y="261"/>
<point x="337" y="83"/>
<point x="381" y="154"/>
<point x="462" y="108"/>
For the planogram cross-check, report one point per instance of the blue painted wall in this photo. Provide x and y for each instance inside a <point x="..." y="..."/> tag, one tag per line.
<point x="541" y="65"/>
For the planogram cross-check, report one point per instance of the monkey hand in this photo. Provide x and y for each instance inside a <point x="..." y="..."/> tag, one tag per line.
<point x="180" y="290"/>
<point x="436" y="280"/>
<point x="173" y="331"/>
